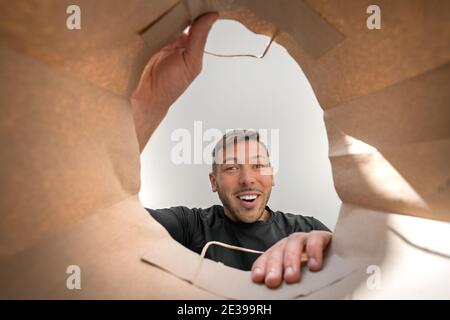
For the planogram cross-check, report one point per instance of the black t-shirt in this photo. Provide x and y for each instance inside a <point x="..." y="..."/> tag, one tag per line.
<point x="194" y="227"/>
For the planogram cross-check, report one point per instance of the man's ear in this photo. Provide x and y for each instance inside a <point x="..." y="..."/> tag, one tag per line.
<point x="212" y="179"/>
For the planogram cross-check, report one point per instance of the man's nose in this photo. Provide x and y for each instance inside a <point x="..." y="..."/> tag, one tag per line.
<point x="247" y="176"/>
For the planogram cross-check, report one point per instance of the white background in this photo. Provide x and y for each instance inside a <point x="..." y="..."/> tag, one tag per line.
<point x="268" y="93"/>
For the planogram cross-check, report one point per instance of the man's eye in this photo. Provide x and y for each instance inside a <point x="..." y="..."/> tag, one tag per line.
<point x="231" y="168"/>
<point x="260" y="165"/>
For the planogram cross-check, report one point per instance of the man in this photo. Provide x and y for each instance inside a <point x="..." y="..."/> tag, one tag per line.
<point x="243" y="180"/>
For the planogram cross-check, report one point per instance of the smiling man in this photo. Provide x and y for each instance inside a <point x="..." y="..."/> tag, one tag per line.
<point x="241" y="175"/>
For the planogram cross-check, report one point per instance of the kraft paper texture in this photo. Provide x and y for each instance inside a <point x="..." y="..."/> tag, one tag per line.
<point x="70" y="166"/>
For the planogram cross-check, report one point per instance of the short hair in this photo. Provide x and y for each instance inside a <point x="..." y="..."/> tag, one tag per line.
<point x="233" y="138"/>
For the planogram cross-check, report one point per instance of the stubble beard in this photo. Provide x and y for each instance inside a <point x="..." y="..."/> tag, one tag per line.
<point x="233" y="211"/>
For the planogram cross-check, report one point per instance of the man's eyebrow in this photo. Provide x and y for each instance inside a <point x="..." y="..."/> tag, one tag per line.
<point x="258" y="156"/>
<point x="254" y="157"/>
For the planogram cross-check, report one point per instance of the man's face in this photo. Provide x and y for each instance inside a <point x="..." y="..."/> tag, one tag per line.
<point x="243" y="181"/>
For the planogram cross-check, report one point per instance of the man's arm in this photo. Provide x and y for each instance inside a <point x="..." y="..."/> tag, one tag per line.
<point x="167" y="75"/>
<point x="283" y="259"/>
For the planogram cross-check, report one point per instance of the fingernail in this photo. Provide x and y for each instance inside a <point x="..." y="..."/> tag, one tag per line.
<point x="271" y="274"/>
<point x="312" y="262"/>
<point x="257" y="270"/>
<point x="289" y="271"/>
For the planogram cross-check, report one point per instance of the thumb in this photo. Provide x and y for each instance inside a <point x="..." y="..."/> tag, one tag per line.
<point x="197" y="40"/>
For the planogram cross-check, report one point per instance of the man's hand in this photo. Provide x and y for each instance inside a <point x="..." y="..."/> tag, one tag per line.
<point x="283" y="259"/>
<point x="167" y="75"/>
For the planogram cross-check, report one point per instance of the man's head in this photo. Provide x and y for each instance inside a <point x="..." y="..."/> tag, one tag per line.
<point x="242" y="175"/>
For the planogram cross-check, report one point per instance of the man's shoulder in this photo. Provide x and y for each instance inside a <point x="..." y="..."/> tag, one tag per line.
<point x="299" y="221"/>
<point x="203" y="213"/>
<point x="214" y="209"/>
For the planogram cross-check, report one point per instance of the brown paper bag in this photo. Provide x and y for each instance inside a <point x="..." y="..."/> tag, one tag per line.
<point x="70" y="160"/>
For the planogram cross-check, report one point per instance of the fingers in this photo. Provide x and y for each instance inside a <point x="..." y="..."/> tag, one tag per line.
<point x="283" y="260"/>
<point x="197" y="40"/>
<point x="259" y="268"/>
<point x="317" y="242"/>
<point x="292" y="257"/>
<point x="274" y="267"/>
<point x="269" y="266"/>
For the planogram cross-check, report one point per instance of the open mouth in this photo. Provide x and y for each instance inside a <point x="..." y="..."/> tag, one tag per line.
<point x="249" y="200"/>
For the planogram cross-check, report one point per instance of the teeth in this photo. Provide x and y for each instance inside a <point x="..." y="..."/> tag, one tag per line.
<point x="248" y="197"/>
